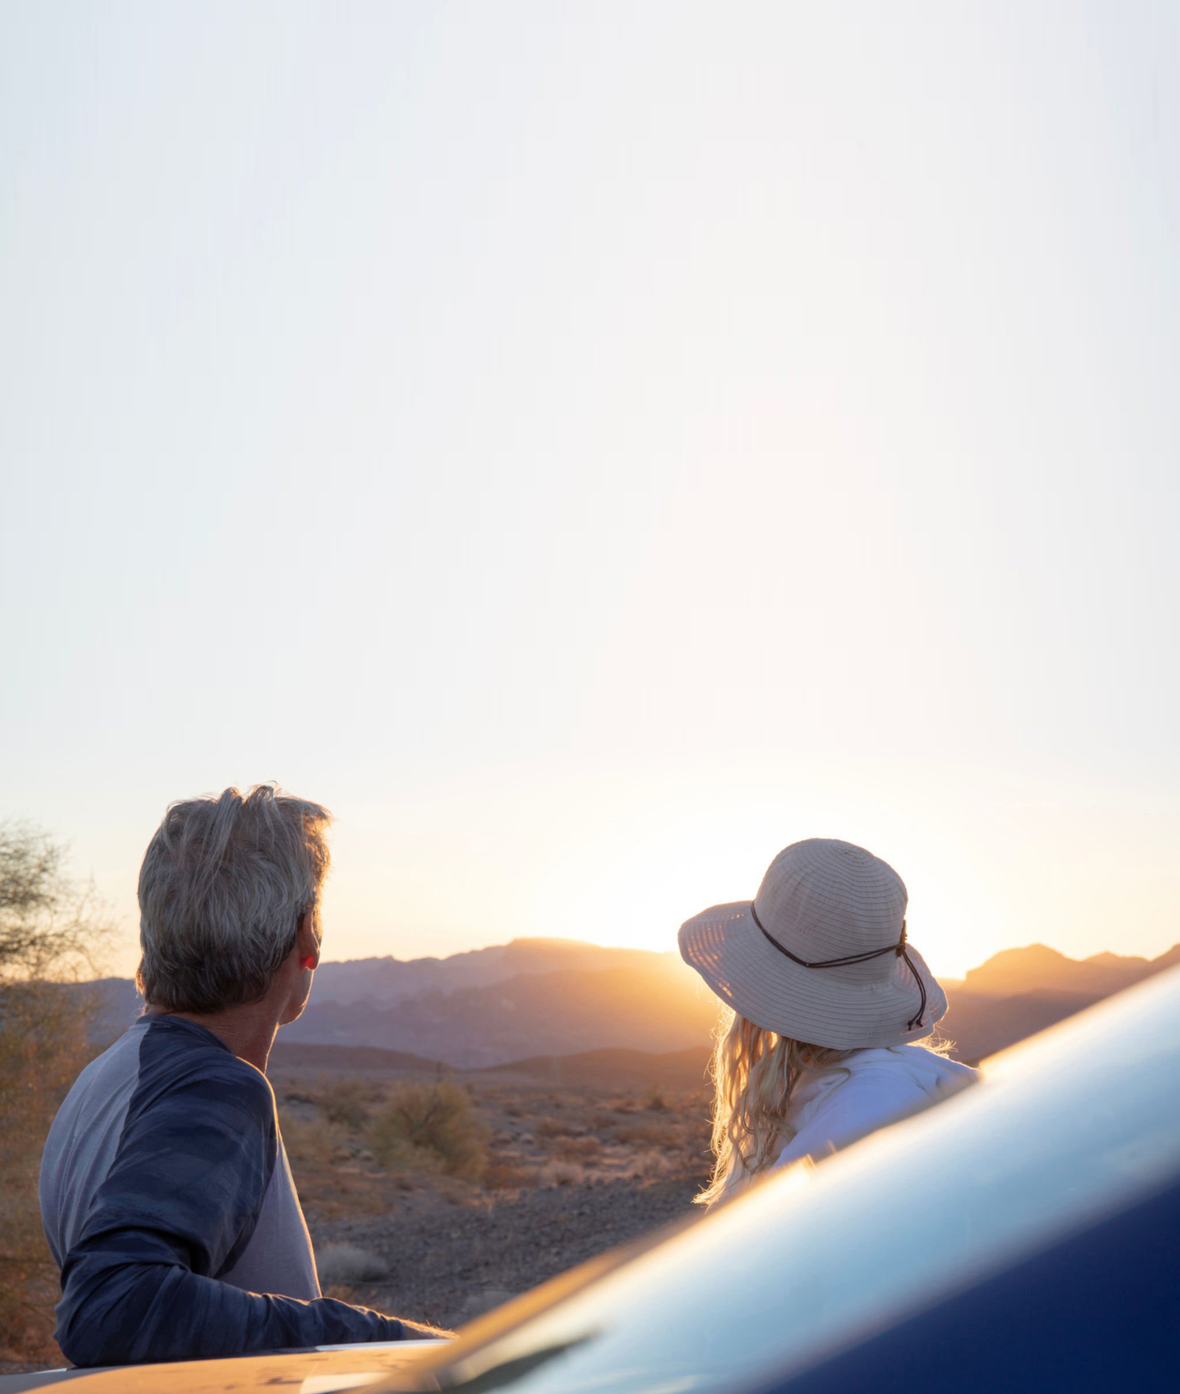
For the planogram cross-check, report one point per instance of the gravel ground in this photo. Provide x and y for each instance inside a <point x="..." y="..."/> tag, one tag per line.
<point x="448" y="1263"/>
<point x="451" y="1260"/>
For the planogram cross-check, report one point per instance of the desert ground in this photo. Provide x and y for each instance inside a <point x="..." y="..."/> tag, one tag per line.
<point x="437" y="1196"/>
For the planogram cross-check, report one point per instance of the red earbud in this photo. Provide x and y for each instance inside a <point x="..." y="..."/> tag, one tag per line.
<point x="308" y="962"/>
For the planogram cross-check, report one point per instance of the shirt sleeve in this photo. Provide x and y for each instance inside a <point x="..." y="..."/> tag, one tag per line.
<point x="177" y="1206"/>
<point x="870" y="1099"/>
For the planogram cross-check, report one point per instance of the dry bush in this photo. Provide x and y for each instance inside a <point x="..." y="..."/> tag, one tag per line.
<point x="51" y="928"/>
<point x="52" y="933"/>
<point x="504" y="1176"/>
<point x="561" y="1173"/>
<point x="430" y="1126"/>
<point x="655" y="1101"/>
<point x="576" y="1149"/>
<point x="650" y="1166"/>
<point x="348" y="1101"/>
<point x="309" y="1144"/>
<point x="43" y="1045"/>
<point x="650" y="1134"/>
<point x="551" y="1127"/>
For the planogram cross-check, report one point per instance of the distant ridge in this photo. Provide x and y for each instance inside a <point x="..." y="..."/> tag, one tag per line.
<point x="653" y="1002"/>
<point x="392" y="979"/>
<point x="524" y="1004"/>
<point x="979" y="1026"/>
<point x="298" y="1055"/>
<point x="1037" y="968"/>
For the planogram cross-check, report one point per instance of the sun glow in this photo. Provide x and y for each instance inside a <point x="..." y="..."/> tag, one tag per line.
<point x="639" y="877"/>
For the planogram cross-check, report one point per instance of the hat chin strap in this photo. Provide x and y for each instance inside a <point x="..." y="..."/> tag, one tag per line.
<point x="899" y="949"/>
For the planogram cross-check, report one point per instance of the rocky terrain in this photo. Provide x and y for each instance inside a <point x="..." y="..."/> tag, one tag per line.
<point x="564" y="1174"/>
<point x="446" y="1263"/>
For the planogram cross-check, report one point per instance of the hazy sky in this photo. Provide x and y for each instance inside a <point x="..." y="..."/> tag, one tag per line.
<point x="590" y="446"/>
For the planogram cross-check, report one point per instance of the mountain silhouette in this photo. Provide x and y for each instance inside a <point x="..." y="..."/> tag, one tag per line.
<point x="646" y="1002"/>
<point x="1038" y="968"/>
<point x="534" y="1001"/>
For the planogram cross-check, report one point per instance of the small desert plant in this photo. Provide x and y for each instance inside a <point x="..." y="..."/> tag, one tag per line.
<point x="503" y="1176"/>
<point x="650" y="1166"/>
<point x="655" y="1101"/>
<point x="561" y="1173"/>
<point x="432" y="1124"/>
<point x="345" y="1265"/>
<point x="309" y="1144"/>
<point x="649" y="1134"/>
<point x="576" y="1148"/>
<point x="347" y="1101"/>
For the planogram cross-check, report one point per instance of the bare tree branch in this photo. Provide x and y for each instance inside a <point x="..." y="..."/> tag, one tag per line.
<point x="50" y="927"/>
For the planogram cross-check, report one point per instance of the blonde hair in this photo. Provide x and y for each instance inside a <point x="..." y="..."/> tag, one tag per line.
<point x="753" y="1072"/>
<point x="223" y="886"/>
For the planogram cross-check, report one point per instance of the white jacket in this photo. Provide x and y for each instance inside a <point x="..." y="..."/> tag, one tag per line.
<point x="833" y="1107"/>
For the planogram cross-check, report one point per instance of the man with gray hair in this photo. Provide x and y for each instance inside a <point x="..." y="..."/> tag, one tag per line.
<point x="166" y="1194"/>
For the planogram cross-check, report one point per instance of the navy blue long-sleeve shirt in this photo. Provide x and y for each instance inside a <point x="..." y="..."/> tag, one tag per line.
<point x="168" y="1204"/>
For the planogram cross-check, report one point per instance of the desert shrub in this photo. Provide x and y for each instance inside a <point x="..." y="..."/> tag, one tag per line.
<point x="309" y="1144"/>
<point x="504" y="1176"/>
<point x="344" y="1265"/>
<point x="347" y="1101"/>
<point x="561" y="1173"/>
<point x="432" y="1125"/>
<point x="577" y="1148"/>
<point x="650" y="1166"/>
<point x="650" y="1134"/>
<point x="655" y="1101"/>
<point x="52" y="933"/>
<point x="43" y="1045"/>
<point x="551" y="1127"/>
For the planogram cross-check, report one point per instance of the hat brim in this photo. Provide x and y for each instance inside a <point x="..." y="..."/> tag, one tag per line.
<point x="818" y="1005"/>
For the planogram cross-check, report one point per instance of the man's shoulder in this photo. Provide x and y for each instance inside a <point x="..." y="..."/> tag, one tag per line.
<point x="178" y="1057"/>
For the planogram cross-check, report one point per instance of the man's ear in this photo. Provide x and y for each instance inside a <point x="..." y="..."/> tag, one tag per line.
<point x="306" y="943"/>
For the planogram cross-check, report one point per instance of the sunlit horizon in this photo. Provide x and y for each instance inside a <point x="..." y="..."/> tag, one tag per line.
<point x="946" y="971"/>
<point x="944" y="974"/>
<point x="628" y="876"/>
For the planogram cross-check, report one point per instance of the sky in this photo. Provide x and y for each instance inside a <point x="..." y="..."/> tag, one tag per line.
<point x="592" y="446"/>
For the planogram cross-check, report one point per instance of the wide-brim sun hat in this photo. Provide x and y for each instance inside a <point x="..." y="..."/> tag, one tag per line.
<point x="820" y="954"/>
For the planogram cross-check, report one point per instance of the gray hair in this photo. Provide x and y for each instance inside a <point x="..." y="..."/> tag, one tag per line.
<point x="223" y="885"/>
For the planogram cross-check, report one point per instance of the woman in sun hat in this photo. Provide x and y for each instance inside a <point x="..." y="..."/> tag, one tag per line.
<point x="825" y="1003"/>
